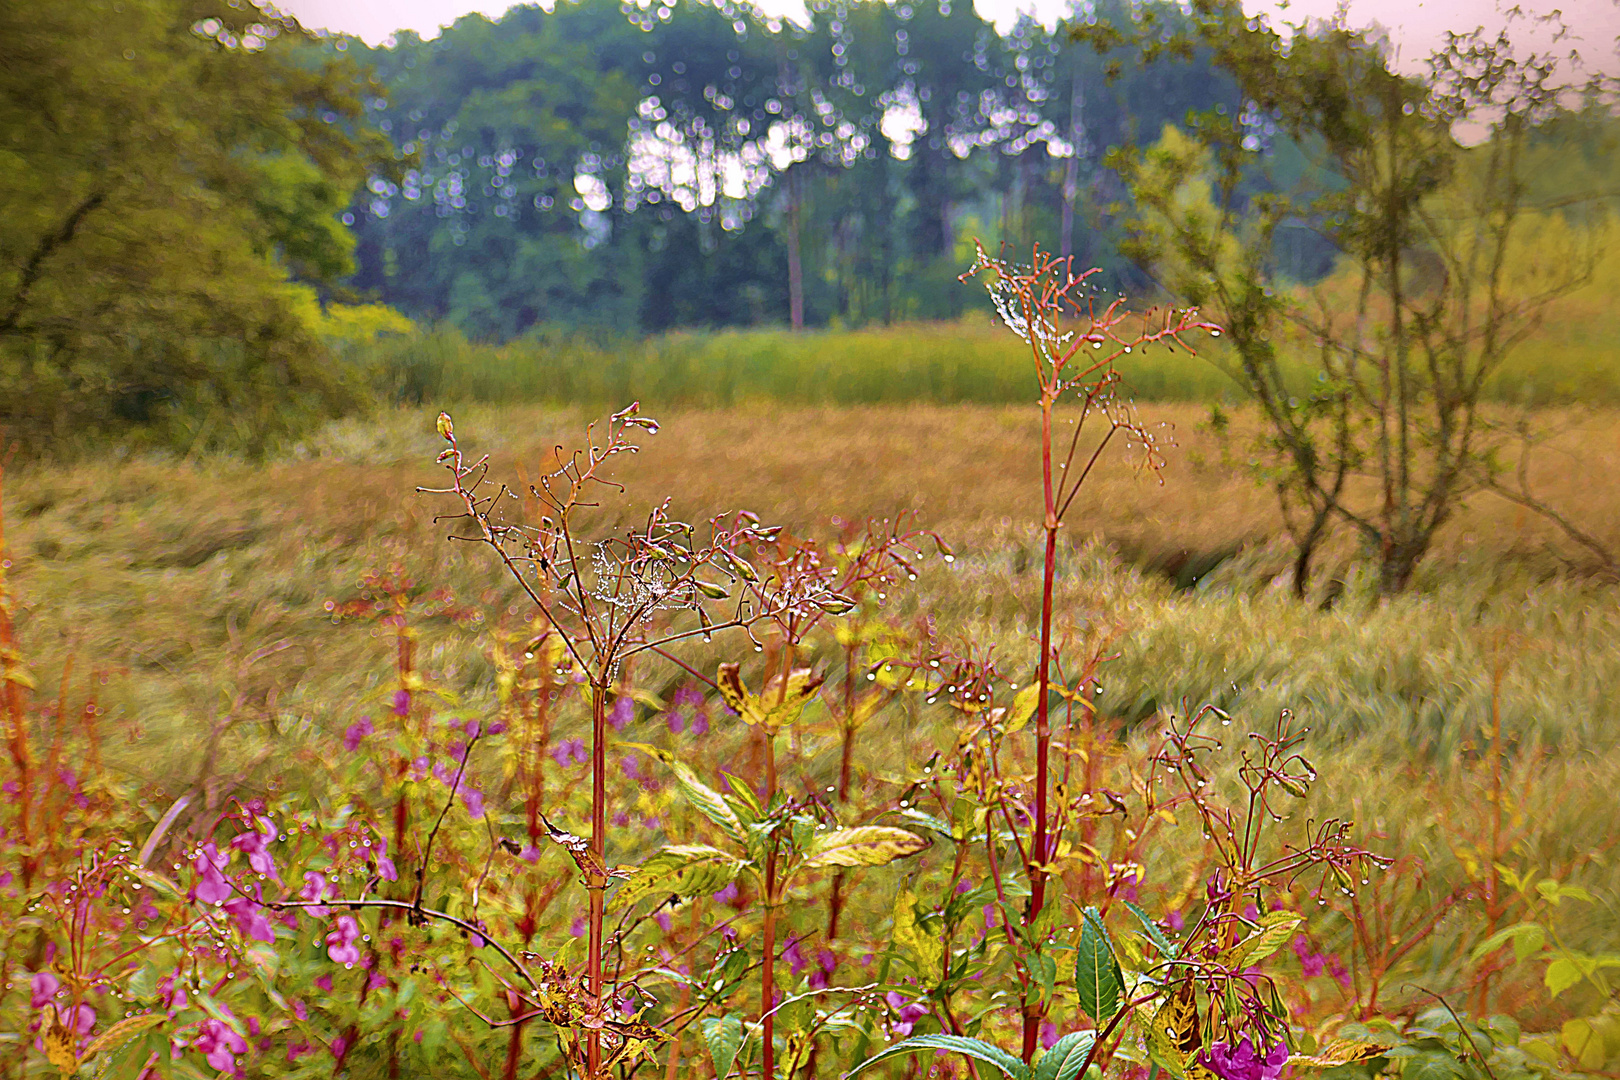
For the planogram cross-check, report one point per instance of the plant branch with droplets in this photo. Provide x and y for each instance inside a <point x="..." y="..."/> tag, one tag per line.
<point x="1076" y="339"/>
<point x="610" y="598"/>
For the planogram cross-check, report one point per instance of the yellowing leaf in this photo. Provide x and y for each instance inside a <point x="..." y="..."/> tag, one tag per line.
<point x="776" y="706"/>
<point x="864" y="845"/>
<point x="1340" y="1052"/>
<point x="686" y="870"/>
<point x="1274" y="929"/>
<point x="121" y="1033"/>
<point x="1023" y="707"/>
<point x="61" y="1047"/>
<point x="926" y="950"/>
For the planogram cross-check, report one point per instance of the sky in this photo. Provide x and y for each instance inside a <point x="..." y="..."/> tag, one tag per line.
<point x="1416" y="26"/>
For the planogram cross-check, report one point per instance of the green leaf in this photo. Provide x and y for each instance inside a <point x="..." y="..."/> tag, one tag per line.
<point x="925" y="950"/>
<point x="1562" y="974"/>
<point x="708" y="801"/>
<point x="864" y="845"/>
<point x="724" y="1037"/>
<point x="1152" y="931"/>
<point x="1066" y="1058"/>
<point x="686" y="870"/>
<point x="1527" y="939"/>
<point x="1275" y="926"/>
<point x="1096" y="972"/>
<point x="956" y="1044"/>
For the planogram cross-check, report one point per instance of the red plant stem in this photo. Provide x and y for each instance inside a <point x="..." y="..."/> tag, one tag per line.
<point x="1043" y="724"/>
<point x="597" y="884"/>
<point x="767" y="976"/>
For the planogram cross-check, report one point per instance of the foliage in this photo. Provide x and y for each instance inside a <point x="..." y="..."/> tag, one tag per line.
<point x="1433" y="242"/>
<point x="167" y="165"/>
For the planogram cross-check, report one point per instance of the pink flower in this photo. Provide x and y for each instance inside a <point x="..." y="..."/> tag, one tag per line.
<point x="909" y="1012"/>
<point x="42" y="988"/>
<point x="402" y="703"/>
<point x="1242" y="1063"/>
<point x="473" y="799"/>
<point x="250" y="919"/>
<point x="385" y="865"/>
<point x="624" y="711"/>
<point x="826" y="964"/>
<point x="1049" y="1035"/>
<point x="219" y="1044"/>
<point x="256" y="845"/>
<point x="340" y="942"/>
<point x="356" y="733"/>
<point x="213" y="888"/>
<point x="172" y="993"/>
<point x="795" y="957"/>
<point x="315" y="888"/>
<point x="570" y="752"/>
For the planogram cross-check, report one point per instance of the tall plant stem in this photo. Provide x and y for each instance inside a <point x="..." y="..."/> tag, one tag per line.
<point x="1043" y="720"/>
<point x="767" y="978"/>
<point x="597" y="883"/>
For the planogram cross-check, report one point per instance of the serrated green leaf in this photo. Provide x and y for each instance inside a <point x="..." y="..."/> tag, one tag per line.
<point x="724" y="1037"/>
<point x="1096" y="970"/>
<point x="1527" y="939"/>
<point x="1274" y="929"/>
<point x="1152" y="931"/>
<point x="1066" y="1058"/>
<point x="709" y="802"/>
<point x="956" y="1044"/>
<point x="686" y="870"/>
<point x="864" y="845"/>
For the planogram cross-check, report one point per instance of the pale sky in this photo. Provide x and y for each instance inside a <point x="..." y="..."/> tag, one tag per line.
<point x="1417" y="27"/>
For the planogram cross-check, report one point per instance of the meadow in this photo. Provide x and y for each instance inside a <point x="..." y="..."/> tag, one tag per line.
<point x="229" y="624"/>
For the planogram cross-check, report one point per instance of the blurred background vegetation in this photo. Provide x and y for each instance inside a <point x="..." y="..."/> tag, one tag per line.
<point x="220" y="227"/>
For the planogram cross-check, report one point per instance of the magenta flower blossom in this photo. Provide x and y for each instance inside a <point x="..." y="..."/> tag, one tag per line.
<point x="570" y="752"/>
<point x="826" y="964"/>
<point x="356" y="733"/>
<point x="385" y="866"/>
<point x="213" y="888"/>
<point x="219" y="1044"/>
<point x="909" y="1012"/>
<point x="250" y="919"/>
<point x="42" y="988"/>
<point x="473" y="800"/>
<point x="80" y="1019"/>
<point x="172" y="993"/>
<point x="1049" y="1035"/>
<point x="1242" y="1063"/>
<point x="795" y="957"/>
<point x="402" y="703"/>
<point x="340" y="942"/>
<point x="316" y="888"/>
<point x="624" y="711"/>
<point x="255" y="845"/>
<point x="728" y="894"/>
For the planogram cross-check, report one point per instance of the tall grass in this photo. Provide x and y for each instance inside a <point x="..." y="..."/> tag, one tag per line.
<point x="1573" y="357"/>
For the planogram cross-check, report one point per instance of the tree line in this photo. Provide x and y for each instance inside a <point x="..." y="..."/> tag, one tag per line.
<point x="699" y="164"/>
